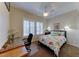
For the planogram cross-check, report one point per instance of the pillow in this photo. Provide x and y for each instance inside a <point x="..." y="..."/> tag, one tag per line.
<point x="61" y="33"/>
<point x="54" y="33"/>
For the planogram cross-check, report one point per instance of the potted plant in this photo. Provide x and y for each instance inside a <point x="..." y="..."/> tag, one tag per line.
<point x="11" y="36"/>
<point x="5" y="45"/>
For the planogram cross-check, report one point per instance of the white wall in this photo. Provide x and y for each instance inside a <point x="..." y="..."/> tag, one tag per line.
<point x="77" y="31"/>
<point x="4" y="18"/>
<point x="70" y="19"/>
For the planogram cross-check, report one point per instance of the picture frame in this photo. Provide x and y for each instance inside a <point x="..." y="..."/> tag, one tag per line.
<point x="7" y="5"/>
<point x="56" y="26"/>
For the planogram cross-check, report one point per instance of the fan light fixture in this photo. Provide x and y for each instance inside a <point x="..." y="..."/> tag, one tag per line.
<point x="45" y="14"/>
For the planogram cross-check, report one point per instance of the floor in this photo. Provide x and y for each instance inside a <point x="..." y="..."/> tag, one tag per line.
<point x="39" y="50"/>
<point x="17" y="42"/>
<point x="16" y="52"/>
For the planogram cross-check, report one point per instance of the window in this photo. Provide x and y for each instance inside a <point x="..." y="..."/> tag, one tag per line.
<point x="26" y="28"/>
<point x="39" y="27"/>
<point x="32" y="27"/>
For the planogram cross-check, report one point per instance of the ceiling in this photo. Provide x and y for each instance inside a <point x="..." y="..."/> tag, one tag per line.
<point x="53" y="8"/>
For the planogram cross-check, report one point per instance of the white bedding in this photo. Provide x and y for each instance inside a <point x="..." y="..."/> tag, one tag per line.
<point x="53" y="42"/>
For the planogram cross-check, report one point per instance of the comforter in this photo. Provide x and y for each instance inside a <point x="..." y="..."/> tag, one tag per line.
<point x="53" y="42"/>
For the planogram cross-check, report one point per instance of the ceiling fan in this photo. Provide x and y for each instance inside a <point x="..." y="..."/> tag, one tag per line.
<point x="47" y="9"/>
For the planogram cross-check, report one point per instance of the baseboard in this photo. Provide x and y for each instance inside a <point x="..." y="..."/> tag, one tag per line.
<point x="73" y="45"/>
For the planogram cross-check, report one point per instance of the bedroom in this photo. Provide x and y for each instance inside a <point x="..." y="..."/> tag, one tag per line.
<point x="39" y="17"/>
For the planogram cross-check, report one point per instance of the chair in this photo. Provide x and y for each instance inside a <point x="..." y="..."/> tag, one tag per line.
<point x="27" y="41"/>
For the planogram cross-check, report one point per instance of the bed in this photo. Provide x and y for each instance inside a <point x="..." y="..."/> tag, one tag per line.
<point x="54" y="40"/>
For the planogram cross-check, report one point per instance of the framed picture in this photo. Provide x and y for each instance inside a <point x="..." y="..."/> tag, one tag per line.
<point x="7" y="5"/>
<point x="56" y="26"/>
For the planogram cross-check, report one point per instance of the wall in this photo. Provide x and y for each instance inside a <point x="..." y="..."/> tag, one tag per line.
<point x="16" y="19"/>
<point x="4" y="19"/>
<point x="77" y="31"/>
<point x="70" y="19"/>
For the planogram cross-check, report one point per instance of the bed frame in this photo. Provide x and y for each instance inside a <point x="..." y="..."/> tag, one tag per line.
<point x="65" y="35"/>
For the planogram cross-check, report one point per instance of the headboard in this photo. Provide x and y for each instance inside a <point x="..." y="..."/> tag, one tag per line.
<point x="65" y="33"/>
